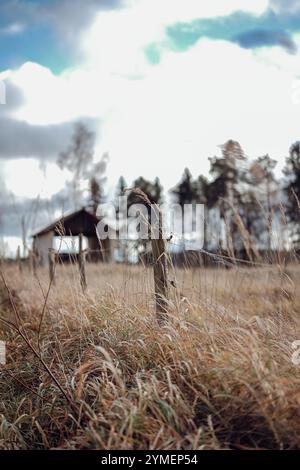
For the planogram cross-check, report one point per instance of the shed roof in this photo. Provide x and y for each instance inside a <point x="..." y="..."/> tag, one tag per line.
<point x="73" y="224"/>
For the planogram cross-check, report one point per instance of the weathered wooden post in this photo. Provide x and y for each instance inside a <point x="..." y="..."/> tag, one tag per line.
<point x="160" y="266"/>
<point x="51" y="258"/>
<point x="34" y="261"/>
<point x="81" y="263"/>
<point x="19" y="259"/>
<point x="160" y="259"/>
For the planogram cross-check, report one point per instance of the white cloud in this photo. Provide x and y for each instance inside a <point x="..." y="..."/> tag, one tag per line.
<point x="278" y="57"/>
<point x="194" y="101"/>
<point x="117" y="39"/>
<point x="43" y="182"/>
<point x="171" y="11"/>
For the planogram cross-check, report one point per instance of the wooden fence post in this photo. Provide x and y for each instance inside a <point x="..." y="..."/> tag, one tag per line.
<point x="34" y="262"/>
<point x="160" y="267"/>
<point x="160" y="259"/>
<point x="19" y="259"/>
<point x="51" y="257"/>
<point x="81" y="263"/>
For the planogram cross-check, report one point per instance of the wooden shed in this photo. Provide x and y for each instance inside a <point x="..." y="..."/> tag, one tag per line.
<point x="72" y="225"/>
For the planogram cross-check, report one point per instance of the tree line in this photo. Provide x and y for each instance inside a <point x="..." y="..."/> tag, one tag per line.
<point x="246" y="207"/>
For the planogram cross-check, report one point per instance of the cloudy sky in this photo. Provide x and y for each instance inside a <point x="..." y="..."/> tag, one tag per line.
<point x="162" y="82"/>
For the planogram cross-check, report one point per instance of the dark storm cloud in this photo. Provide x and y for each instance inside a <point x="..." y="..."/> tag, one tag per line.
<point x="14" y="98"/>
<point x="19" y="139"/>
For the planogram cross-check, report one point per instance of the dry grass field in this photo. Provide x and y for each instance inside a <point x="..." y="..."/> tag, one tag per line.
<point x="95" y="371"/>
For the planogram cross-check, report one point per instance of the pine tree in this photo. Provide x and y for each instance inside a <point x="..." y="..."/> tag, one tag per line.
<point x="152" y="190"/>
<point x="185" y="191"/>
<point x="223" y="190"/>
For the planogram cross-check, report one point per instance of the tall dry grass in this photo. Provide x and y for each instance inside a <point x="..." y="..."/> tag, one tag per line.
<point x="96" y="371"/>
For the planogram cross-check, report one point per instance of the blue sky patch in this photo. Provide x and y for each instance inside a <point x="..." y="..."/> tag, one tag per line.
<point x="36" y="44"/>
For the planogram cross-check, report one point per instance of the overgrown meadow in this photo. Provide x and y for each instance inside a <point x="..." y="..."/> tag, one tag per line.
<point x="96" y="371"/>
